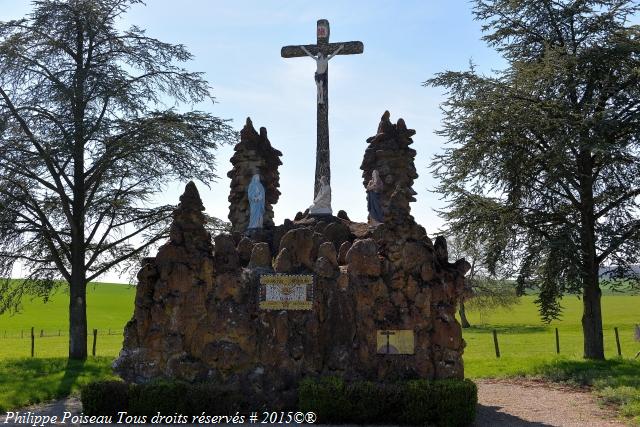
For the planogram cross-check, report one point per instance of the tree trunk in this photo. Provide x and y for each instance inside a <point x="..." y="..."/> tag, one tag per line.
<point x="592" y="309"/>
<point x="463" y="316"/>
<point x="78" y="315"/>
<point x="592" y="318"/>
<point x="78" y="285"/>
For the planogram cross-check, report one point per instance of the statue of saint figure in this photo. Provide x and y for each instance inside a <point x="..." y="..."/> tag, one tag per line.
<point x="374" y="189"/>
<point x="256" y="202"/>
<point x="322" y="203"/>
<point x="322" y="64"/>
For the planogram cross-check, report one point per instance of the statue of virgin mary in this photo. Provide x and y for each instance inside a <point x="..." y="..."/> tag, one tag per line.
<point x="256" y="202"/>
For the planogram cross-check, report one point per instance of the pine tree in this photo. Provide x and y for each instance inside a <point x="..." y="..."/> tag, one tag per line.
<point x="86" y="142"/>
<point x="544" y="165"/>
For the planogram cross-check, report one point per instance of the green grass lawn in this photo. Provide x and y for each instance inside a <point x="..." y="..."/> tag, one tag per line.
<point x="49" y="375"/>
<point x="26" y="380"/>
<point x="527" y="346"/>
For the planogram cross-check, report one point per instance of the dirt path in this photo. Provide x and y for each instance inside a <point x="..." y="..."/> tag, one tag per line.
<point x="534" y="403"/>
<point x="513" y="403"/>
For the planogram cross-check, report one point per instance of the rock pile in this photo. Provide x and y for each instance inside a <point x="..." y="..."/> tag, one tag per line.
<point x="253" y="154"/>
<point x="171" y="298"/>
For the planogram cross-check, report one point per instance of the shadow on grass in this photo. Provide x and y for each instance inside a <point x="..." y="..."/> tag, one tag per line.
<point x="72" y="371"/>
<point x="27" y="381"/>
<point x="599" y="373"/>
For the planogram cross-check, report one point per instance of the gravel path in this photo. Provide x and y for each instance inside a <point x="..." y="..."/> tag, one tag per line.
<point x="535" y="403"/>
<point x="515" y="403"/>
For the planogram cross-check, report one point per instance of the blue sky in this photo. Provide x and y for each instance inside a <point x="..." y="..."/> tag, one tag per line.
<point x="237" y="44"/>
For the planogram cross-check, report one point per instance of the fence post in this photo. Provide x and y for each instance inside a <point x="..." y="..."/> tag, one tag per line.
<point x="495" y="343"/>
<point x="21" y="333"/>
<point x="33" y="342"/>
<point x="618" y="341"/>
<point x="58" y="332"/>
<point x="41" y="333"/>
<point x="557" y="341"/>
<point x="95" y="337"/>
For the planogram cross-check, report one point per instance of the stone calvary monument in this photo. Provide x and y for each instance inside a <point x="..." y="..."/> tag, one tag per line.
<point x="261" y="308"/>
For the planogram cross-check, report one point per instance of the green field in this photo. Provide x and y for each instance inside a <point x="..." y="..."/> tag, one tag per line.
<point x="527" y="346"/>
<point x="523" y="338"/>
<point x="109" y="308"/>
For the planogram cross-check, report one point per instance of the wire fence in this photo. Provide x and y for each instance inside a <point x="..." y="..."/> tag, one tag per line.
<point x="550" y="342"/>
<point x="48" y="333"/>
<point x="38" y="342"/>
<point x="499" y="342"/>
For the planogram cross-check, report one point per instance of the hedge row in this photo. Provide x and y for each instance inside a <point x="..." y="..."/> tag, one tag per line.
<point x="415" y="402"/>
<point x="111" y="397"/>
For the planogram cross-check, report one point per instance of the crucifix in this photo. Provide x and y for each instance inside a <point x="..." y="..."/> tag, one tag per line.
<point x="388" y="335"/>
<point x="322" y="52"/>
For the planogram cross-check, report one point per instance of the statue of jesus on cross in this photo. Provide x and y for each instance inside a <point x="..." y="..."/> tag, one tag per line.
<point x="322" y="52"/>
<point x="322" y="66"/>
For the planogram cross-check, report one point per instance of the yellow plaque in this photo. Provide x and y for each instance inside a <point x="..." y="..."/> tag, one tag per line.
<point x="400" y="341"/>
<point x="286" y="292"/>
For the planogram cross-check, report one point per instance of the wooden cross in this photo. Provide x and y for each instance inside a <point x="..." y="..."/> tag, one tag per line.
<point x="322" y="52"/>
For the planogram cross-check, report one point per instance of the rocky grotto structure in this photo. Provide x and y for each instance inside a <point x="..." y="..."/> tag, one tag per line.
<point x="388" y="152"/>
<point x="253" y="155"/>
<point x="379" y="302"/>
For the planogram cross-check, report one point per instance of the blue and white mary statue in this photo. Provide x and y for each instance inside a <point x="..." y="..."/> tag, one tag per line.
<point x="256" y="202"/>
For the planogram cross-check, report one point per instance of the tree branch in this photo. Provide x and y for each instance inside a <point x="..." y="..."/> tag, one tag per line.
<point x="619" y="241"/>
<point x="47" y="159"/>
